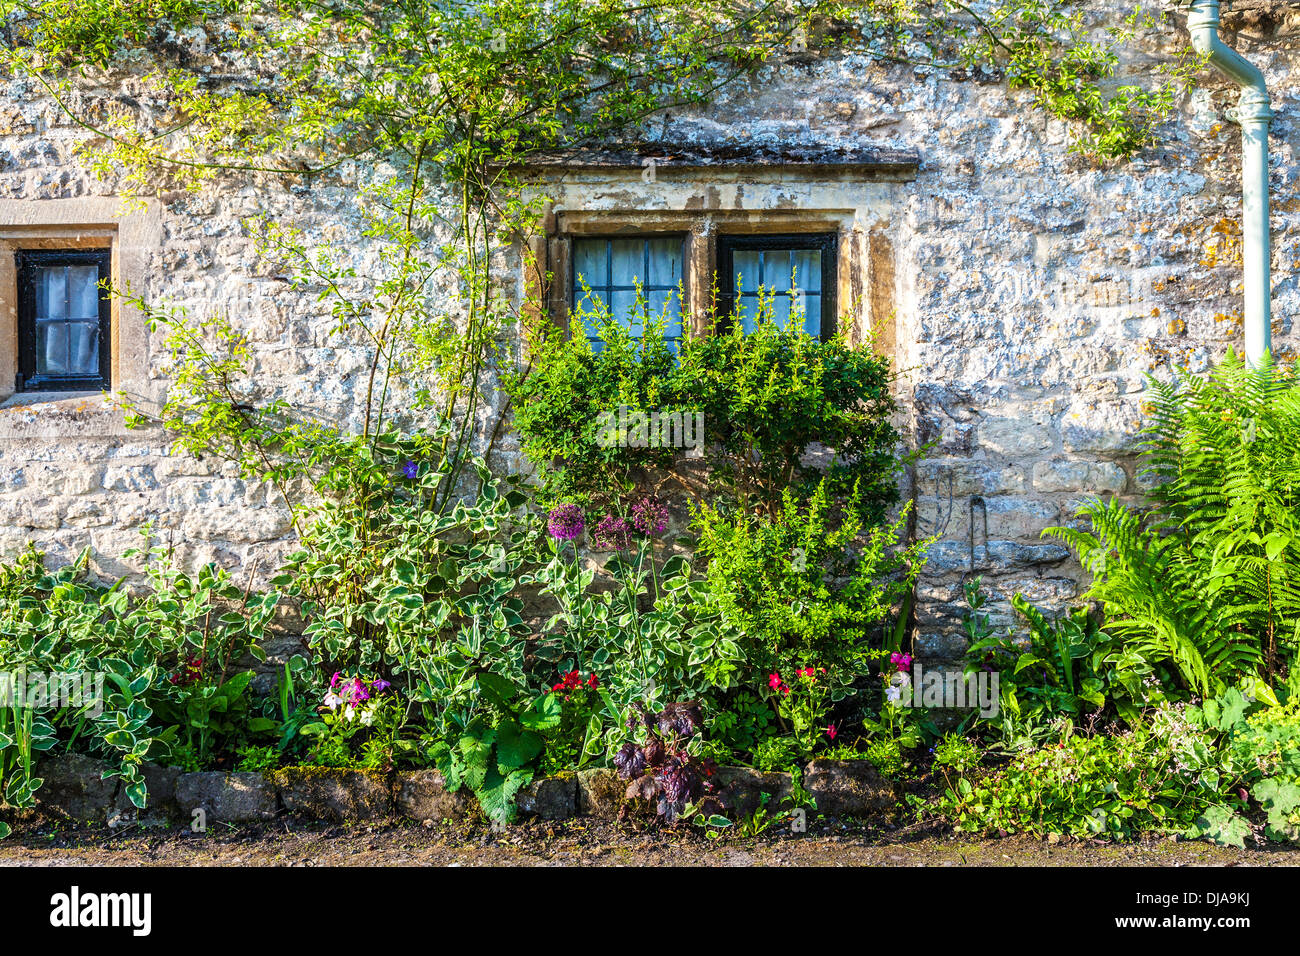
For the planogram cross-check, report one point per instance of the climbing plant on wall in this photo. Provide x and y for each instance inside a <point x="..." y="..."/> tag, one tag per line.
<point x="439" y="102"/>
<point x="454" y="94"/>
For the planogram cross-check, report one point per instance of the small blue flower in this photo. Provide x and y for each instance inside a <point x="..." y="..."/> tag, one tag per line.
<point x="411" y="469"/>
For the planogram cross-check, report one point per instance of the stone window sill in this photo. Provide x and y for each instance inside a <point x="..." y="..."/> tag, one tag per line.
<point x="59" y="415"/>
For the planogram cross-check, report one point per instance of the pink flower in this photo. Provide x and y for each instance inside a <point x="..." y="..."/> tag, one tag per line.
<point x="831" y="731"/>
<point x="774" y="681"/>
<point x="355" y="691"/>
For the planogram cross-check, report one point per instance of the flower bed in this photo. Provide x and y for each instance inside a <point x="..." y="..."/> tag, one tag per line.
<point x="75" y="789"/>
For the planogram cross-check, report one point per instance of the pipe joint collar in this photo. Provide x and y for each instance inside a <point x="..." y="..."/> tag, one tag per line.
<point x="1203" y="14"/>
<point x="1254" y="106"/>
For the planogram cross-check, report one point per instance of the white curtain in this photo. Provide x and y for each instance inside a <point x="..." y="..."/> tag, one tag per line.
<point x="67" y="320"/>
<point x="793" y="278"/>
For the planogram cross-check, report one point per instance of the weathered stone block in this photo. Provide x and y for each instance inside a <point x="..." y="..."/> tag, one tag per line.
<point x="600" y="793"/>
<point x="961" y="477"/>
<point x="947" y="556"/>
<point x="947" y="645"/>
<point x="551" y="798"/>
<point x="848" y="787"/>
<point x="422" y="795"/>
<point x="1107" y="428"/>
<point x="129" y="478"/>
<point x="1006" y="555"/>
<point x="226" y="797"/>
<point x="741" y="789"/>
<point x="160" y="803"/>
<point x="74" y="788"/>
<point x="325" y="793"/>
<point x="1017" y="436"/>
<point x="1094" y="478"/>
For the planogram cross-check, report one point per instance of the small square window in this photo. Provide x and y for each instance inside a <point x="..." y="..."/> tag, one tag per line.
<point x="798" y="271"/>
<point x="609" y="271"/>
<point x="64" y="334"/>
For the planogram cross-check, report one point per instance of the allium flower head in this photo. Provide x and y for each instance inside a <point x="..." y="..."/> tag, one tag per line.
<point x="649" y="517"/>
<point x="565" y="522"/>
<point x="612" y="534"/>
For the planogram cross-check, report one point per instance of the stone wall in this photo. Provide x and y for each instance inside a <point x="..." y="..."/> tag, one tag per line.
<point x="1023" y="293"/>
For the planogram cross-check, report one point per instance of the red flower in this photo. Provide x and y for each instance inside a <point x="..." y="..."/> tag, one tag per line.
<point x="571" y="681"/>
<point x="189" y="671"/>
<point x="831" y="731"/>
<point x="774" y="681"/>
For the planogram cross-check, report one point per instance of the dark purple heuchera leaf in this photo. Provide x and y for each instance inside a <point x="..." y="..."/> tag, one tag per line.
<point x="645" y="788"/>
<point x="678" y="779"/>
<point x="681" y="720"/>
<point x="653" y="750"/>
<point x="629" y="761"/>
<point x="639" y="717"/>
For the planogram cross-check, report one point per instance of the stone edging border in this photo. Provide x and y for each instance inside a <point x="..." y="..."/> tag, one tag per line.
<point x="75" y="789"/>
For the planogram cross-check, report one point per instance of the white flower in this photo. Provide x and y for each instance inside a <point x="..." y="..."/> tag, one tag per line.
<point x="333" y="700"/>
<point x="893" y="694"/>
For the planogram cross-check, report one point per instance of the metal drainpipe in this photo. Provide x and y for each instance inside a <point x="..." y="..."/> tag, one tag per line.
<point x="1254" y="114"/>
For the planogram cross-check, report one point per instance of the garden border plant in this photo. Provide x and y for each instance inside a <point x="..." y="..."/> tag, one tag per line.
<point x="412" y="549"/>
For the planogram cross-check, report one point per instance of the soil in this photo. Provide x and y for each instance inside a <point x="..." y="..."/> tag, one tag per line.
<point x="287" y="842"/>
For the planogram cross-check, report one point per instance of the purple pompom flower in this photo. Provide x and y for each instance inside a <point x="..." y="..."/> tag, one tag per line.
<point x="565" y="522"/>
<point x="649" y="517"/>
<point x="612" y="534"/>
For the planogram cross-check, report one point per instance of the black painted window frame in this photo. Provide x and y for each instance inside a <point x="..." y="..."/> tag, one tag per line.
<point x="28" y="262"/>
<point x="826" y="242"/>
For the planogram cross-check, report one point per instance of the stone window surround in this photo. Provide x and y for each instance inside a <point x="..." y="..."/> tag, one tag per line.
<point x="597" y="192"/>
<point x="700" y="258"/>
<point x="98" y="222"/>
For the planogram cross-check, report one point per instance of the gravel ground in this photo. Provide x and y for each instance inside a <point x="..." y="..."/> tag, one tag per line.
<point x="578" y="843"/>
